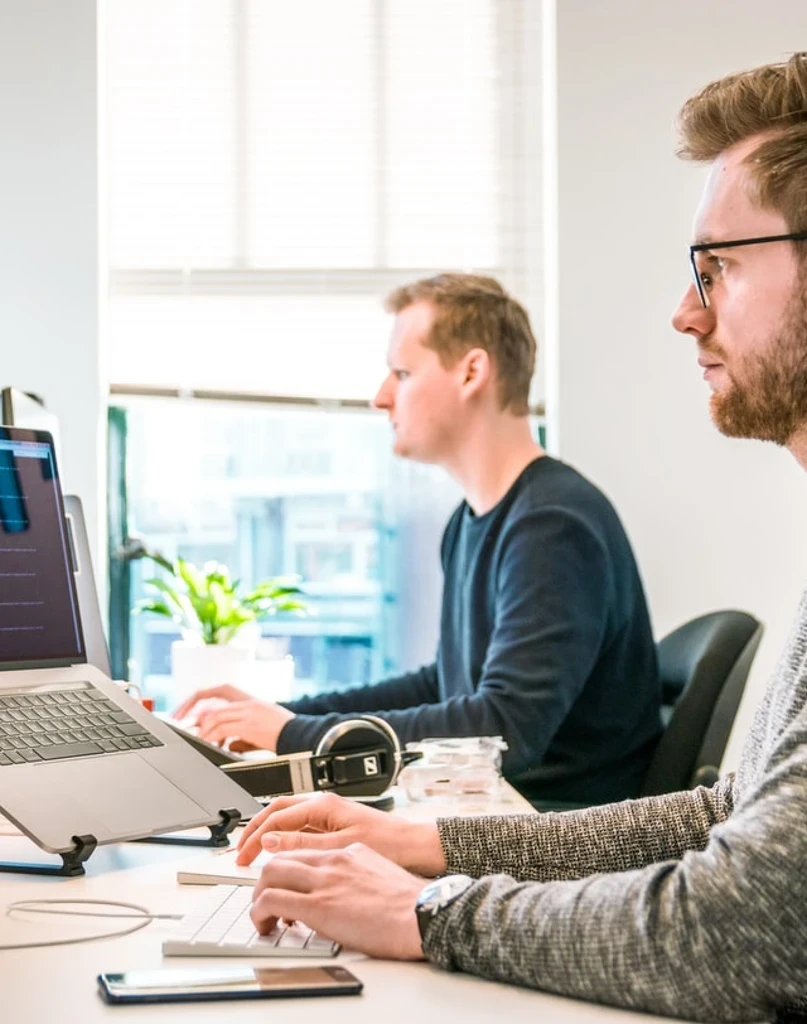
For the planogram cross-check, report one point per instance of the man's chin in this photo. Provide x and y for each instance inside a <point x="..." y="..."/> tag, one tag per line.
<point x="743" y="423"/>
<point x="400" y="449"/>
<point x="724" y="418"/>
<point x="408" y="451"/>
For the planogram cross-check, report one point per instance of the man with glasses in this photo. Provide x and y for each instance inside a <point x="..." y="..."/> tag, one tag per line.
<point x="691" y="904"/>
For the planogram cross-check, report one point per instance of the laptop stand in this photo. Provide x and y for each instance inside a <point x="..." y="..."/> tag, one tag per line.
<point x="218" y="833"/>
<point x="72" y="861"/>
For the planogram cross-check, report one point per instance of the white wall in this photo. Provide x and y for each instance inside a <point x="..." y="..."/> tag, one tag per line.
<point x="49" y="225"/>
<point x="715" y="522"/>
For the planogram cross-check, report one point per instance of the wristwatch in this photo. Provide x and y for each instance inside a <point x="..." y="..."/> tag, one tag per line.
<point x="438" y="895"/>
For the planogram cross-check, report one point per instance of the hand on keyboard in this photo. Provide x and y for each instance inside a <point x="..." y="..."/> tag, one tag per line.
<point x="355" y="895"/>
<point x="220" y="925"/>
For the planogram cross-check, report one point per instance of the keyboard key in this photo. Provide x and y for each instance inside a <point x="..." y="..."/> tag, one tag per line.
<point x="296" y="936"/>
<point x="133" y="729"/>
<point x="242" y="932"/>
<point x="60" y="750"/>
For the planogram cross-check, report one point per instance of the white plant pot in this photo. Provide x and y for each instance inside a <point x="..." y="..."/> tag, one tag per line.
<point x="196" y="666"/>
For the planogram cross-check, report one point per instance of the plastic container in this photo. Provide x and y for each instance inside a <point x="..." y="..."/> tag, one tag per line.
<point x="452" y="768"/>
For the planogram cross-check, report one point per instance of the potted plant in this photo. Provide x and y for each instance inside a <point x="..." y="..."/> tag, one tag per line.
<point x="214" y="613"/>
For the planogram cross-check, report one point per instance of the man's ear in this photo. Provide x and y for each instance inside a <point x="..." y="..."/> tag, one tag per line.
<point x="476" y="371"/>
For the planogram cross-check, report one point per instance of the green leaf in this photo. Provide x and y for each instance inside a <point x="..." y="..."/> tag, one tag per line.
<point x="192" y="577"/>
<point x="207" y="600"/>
<point x="156" y="607"/>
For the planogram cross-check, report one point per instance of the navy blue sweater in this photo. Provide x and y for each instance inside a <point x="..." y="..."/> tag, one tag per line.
<point x="545" y="640"/>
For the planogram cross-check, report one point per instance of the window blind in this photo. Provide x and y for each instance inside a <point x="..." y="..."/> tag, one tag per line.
<point x="275" y="168"/>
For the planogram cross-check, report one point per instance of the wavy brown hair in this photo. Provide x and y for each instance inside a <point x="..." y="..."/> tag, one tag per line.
<point x="768" y="101"/>
<point x="473" y="311"/>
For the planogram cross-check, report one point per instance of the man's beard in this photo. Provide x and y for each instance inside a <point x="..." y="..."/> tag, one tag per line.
<point x="769" y="402"/>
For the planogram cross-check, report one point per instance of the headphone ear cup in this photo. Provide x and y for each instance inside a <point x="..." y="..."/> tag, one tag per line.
<point x="382" y="761"/>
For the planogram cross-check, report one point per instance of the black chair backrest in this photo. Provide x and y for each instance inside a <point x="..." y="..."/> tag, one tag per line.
<point x="704" y="666"/>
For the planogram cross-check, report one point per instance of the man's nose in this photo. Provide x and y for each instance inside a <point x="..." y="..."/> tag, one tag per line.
<point x="691" y="317"/>
<point x="383" y="397"/>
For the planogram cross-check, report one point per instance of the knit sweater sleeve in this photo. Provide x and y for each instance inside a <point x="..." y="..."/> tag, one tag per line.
<point x="717" y="934"/>
<point x="574" y="844"/>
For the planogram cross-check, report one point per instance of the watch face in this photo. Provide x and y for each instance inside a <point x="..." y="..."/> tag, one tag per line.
<point x="442" y="892"/>
<point x="438" y="895"/>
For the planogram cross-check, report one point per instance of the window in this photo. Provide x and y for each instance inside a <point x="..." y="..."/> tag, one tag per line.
<point x="270" y="490"/>
<point x="273" y="170"/>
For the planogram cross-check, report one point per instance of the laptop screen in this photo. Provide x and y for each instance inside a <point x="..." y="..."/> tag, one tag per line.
<point x="39" y="620"/>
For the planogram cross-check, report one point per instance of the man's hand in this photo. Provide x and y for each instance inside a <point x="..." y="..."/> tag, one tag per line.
<point x="354" y="896"/>
<point x="254" y="722"/>
<point x="221" y="694"/>
<point x="225" y="712"/>
<point x="329" y="822"/>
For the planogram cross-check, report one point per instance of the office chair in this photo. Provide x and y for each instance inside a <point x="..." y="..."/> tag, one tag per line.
<point x="704" y="666"/>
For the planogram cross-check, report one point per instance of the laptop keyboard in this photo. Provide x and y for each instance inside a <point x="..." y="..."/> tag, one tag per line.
<point x="220" y="925"/>
<point x="50" y="725"/>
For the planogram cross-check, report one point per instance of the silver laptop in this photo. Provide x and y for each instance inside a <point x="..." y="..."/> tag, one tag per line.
<point x="78" y="757"/>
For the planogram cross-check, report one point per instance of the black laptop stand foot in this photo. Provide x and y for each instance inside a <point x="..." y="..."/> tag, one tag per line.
<point x="72" y="861"/>
<point x="218" y="833"/>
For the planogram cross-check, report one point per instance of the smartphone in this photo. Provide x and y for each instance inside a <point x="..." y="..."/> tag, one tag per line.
<point x="174" y="985"/>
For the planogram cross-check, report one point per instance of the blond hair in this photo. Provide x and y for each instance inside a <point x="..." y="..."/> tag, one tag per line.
<point x="473" y="311"/>
<point x="769" y="101"/>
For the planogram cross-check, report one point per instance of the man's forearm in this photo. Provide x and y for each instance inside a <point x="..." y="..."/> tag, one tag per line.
<point x="717" y="934"/>
<point x="419" y="687"/>
<point x="575" y="844"/>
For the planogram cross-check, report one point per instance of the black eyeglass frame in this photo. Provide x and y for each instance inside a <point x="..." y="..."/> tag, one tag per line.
<point x="796" y="236"/>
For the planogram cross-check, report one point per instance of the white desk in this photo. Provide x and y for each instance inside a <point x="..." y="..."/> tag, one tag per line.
<point x="58" y="983"/>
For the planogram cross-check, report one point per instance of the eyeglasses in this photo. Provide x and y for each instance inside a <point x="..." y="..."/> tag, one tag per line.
<point x="799" y="236"/>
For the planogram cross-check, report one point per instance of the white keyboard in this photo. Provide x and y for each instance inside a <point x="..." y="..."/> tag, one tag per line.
<point x="220" y="925"/>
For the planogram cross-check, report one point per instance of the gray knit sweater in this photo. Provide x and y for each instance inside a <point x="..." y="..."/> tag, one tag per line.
<point x="690" y="904"/>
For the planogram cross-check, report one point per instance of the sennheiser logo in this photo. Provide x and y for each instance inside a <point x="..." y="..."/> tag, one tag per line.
<point x="371" y="765"/>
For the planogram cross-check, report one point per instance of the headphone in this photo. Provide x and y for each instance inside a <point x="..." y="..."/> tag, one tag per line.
<point x="359" y="757"/>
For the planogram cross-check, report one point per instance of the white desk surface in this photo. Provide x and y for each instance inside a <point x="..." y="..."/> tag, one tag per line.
<point x="58" y="983"/>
